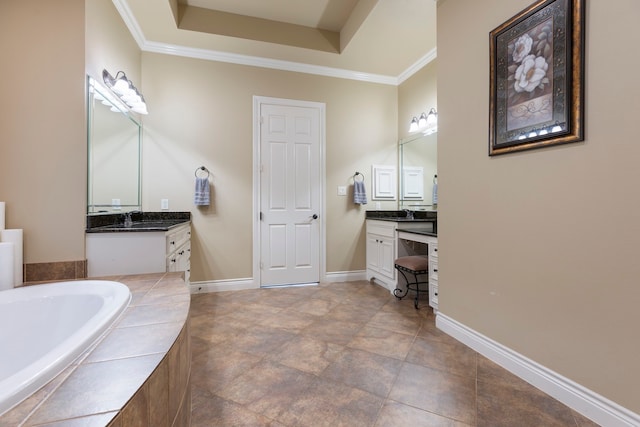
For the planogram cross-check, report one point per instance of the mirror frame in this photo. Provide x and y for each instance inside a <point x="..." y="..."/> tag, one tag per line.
<point x="111" y="101"/>
<point x="425" y="203"/>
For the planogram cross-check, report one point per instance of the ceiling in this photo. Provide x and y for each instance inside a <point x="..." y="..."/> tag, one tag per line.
<point x="383" y="41"/>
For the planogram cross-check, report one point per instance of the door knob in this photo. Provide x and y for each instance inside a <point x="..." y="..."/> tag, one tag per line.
<point x="314" y="216"/>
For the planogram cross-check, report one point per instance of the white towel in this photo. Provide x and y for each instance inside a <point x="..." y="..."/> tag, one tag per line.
<point x="201" y="197"/>
<point x="434" y="196"/>
<point x="359" y="193"/>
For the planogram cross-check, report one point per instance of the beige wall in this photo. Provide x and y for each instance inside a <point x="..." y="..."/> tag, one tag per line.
<point x="416" y="95"/>
<point x="109" y="44"/>
<point x="200" y="114"/>
<point x="538" y="250"/>
<point x="42" y="126"/>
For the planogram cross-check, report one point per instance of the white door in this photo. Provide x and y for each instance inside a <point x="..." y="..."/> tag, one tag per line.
<point x="290" y="194"/>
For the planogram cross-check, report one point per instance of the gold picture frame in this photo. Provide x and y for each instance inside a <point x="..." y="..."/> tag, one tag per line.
<point x="537" y="77"/>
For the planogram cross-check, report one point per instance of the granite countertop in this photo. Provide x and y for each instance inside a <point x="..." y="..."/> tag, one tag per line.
<point x="423" y="222"/>
<point x="401" y="216"/>
<point x="140" y="221"/>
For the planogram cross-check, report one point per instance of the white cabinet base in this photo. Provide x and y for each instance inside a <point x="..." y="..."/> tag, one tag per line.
<point x="381" y="253"/>
<point x="110" y="254"/>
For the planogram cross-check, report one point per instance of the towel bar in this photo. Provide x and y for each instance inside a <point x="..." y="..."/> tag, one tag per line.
<point x="202" y="168"/>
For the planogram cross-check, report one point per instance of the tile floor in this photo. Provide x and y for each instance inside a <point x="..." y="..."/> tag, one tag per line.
<point x="347" y="354"/>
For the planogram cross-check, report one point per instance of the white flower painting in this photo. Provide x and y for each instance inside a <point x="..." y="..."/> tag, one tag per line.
<point x="529" y="94"/>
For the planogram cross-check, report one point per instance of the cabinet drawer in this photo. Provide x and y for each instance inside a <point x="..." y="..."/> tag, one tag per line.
<point x="382" y="228"/>
<point x="176" y="238"/>
<point x="433" y="294"/>
<point x="433" y="250"/>
<point x="433" y="269"/>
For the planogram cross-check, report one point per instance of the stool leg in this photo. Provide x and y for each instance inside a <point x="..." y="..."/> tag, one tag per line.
<point x="397" y="292"/>
<point x="415" y="301"/>
<point x="417" y="289"/>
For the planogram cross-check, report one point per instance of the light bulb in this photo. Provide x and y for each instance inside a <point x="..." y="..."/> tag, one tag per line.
<point x="422" y="122"/>
<point x="414" y="125"/>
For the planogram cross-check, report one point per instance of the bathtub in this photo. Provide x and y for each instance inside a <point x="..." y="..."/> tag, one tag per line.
<point x="44" y="328"/>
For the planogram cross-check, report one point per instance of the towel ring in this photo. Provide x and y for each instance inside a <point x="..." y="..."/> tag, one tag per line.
<point x="356" y="175"/>
<point x="202" y="168"/>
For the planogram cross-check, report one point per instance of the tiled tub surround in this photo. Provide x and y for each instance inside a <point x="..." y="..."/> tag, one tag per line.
<point x="49" y="271"/>
<point x="137" y="374"/>
<point x="51" y="325"/>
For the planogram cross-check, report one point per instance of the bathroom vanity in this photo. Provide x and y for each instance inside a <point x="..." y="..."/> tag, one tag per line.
<point x="391" y="234"/>
<point x="146" y="243"/>
<point x="408" y="236"/>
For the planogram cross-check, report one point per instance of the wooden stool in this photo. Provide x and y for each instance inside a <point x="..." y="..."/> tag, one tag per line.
<point x="415" y="265"/>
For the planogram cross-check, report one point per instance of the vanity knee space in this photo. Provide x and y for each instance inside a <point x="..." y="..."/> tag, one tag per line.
<point x="390" y="238"/>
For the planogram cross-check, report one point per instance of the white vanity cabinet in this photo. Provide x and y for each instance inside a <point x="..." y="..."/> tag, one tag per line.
<point x="381" y="252"/>
<point x="433" y="274"/>
<point x="139" y="252"/>
<point x="432" y="244"/>
<point x="179" y="250"/>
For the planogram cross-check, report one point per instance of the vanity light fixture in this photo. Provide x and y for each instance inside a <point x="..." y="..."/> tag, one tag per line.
<point x="432" y="118"/>
<point x="106" y="97"/>
<point x="427" y="123"/>
<point x="126" y="91"/>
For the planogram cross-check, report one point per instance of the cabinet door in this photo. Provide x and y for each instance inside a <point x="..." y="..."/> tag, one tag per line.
<point x="386" y="257"/>
<point x="373" y="256"/>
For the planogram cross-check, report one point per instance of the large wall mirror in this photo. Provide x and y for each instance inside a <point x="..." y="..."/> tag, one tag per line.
<point x="418" y="171"/>
<point x="114" y="138"/>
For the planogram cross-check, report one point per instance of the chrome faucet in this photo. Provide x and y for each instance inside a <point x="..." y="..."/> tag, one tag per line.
<point x="409" y="213"/>
<point x="127" y="220"/>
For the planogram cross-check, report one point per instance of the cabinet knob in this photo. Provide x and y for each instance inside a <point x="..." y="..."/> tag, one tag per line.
<point x="435" y="270"/>
<point x="173" y="242"/>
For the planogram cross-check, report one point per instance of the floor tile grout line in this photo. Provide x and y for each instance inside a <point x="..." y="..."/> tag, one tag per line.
<point x="422" y="332"/>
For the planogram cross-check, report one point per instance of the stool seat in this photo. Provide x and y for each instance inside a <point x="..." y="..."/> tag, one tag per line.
<point x="417" y="263"/>
<point x="414" y="265"/>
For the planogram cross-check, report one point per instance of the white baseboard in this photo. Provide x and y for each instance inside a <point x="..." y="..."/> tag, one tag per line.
<point x="588" y="403"/>
<point x="249" y="283"/>
<point x="345" y="276"/>
<point x="222" y="285"/>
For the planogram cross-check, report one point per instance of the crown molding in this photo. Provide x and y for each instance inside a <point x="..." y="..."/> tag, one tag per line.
<point x="122" y="6"/>
<point x="145" y="45"/>
<point x="255" y="61"/>
<point x="427" y="58"/>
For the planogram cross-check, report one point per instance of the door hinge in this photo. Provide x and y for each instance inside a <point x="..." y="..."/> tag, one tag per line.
<point x="261" y="265"/>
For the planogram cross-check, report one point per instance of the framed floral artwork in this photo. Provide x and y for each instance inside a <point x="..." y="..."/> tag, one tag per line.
<point x="537" y="77"/>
